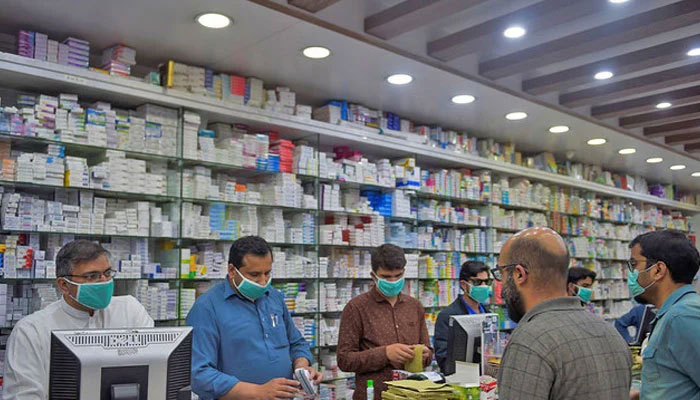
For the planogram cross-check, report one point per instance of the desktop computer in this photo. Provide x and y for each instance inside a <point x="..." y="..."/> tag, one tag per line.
<point x="121" y="364"/>
<point x="464" y="340"/>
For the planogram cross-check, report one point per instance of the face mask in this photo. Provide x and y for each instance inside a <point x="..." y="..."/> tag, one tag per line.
<point x="635" y="288"/>
<point x="249" y="289"/>
<point x="513" y="300"/>
<point x="584" y="293"/>
<point x="95" y="296"/>
<point x="388" y="288"/>
<point x="480" y="293"/>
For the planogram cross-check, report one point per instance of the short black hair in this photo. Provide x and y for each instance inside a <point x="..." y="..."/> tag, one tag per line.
<point x="75" y="253"/>
<point x="471" y="269"/>
<point x="254" y="245"/>
<point x="542" y="263"/>
<point x="673" y="248"/>
<point x="389" y="257"/>
<point x="578" y="273"/>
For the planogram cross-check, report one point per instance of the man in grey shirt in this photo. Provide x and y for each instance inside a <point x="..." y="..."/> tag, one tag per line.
<point x="559" y="350"/>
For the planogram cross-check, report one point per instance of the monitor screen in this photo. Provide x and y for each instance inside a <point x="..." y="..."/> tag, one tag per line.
<point x="644" y="325"/>
<point x="464" y="340"/>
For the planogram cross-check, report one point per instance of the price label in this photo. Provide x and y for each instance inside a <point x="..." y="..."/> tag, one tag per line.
<point x="75" y="79"/>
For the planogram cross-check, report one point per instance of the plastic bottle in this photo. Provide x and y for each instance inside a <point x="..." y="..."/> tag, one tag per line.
<point x="370" y="389"/>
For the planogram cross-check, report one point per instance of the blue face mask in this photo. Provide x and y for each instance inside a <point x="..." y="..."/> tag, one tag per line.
<point x="635" y="288"/>
<point x="389" y="288"/>
<point x="480" y="293"/>
<point x="249" y="289"/>
<point x="584" y="293"/>
<point x="95" y="296"/>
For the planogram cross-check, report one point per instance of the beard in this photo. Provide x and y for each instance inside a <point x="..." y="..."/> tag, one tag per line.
<point x="513" y="300"/>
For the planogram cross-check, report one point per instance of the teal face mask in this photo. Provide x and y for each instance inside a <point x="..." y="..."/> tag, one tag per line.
<point x="95" y="296"/>
<point x="249" y="289"/>
<point x="390" y="289"/>
<point x="635" y="288"/>
<point x="584" y="293"/>
<point x="480" y="293"/>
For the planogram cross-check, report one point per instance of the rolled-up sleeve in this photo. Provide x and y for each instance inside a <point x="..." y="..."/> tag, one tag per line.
<point x="207" y="381"/>
<point x="298" y="346"/>
<point x="350" y="358"/>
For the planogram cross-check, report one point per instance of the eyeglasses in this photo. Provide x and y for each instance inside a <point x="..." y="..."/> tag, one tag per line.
<point x="479" y="282"/>
<point x="95" y="276"/>
<point x="632" y="263"/>
<point x="497" y="271"/>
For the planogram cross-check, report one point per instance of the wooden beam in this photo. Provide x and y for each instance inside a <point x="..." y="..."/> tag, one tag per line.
<point x="685" y="138"/>
<point x="312" y="6"/>
<point x="630" y="29"/>
<point x="692" y="148"/>
<point x="633" y="86"/>
<point x="661" y="117"/>
<point x="648" y="103"/>
<point x="675" y="128"/>
<point x="539" y="16"/>
<point x="412" y="14"/>
<point x="635" y="61"/>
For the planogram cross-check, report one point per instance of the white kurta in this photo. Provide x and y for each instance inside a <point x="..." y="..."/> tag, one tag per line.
<point x="26" y="375"/>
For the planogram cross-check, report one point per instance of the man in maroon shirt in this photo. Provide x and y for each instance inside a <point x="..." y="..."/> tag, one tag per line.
<point x="379" y="329"/>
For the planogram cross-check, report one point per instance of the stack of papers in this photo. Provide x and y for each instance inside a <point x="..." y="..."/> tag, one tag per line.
<point x="419" y="390"/>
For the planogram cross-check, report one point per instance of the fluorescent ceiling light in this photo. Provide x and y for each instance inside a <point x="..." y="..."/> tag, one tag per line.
<point x="514" y="32"/>
<point x="663" y="105"/>
<point x="597" y="141"/>
<point x="627" y="151"/>
<point x="654" y="160"/>
<point x="516" y="116"/>
<point x="214" y="20"/>
<point x="559" y="129"/>
<point x="463" y="99"/>
<point x="399" y="79"/>
<point x="695" y="174"/>
<point x="316" y="52"/>
<point x="618" y="1"/>
<point x="603" y="75"/>
<point x="694" y="52"/>
<point x="677" y="167"/>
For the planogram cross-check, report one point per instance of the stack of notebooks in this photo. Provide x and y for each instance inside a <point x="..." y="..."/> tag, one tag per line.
<point x="419" y="390"/>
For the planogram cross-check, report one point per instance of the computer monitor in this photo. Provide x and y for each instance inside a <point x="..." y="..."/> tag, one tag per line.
<point x="464" y="340"/>
<point x="644" y="326"/>
<point x="120" y="364"/>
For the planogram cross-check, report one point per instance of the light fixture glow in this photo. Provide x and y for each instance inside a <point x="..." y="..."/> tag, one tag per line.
<point x="559" y="129"/>
<point x="694" y="52"/>
<point x="654" y="160"/>
<point x="627" y="151"/>
<point x="618" y="1"/>
<point x="399" y="79"/>
<point x="597" y="141"/>
<point x="663" y="105"/>
<point x="677" y="167"/>
<point x="695" y="174"/>
<point x="214" y="20"/>
<point x="514" y="32"/>
<point x="603" y="75"/>
<point x="316" y="52"/>
<point x="463" y="99"/>
<point x="516" y="116"/>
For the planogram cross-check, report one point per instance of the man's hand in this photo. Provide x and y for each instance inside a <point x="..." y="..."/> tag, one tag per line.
<point x="279" y="388"/>
<point x="634" y="395"/>
<point x="314" y="375"/>
<point x="399" y="354"/>
<point x="426" y="355"/>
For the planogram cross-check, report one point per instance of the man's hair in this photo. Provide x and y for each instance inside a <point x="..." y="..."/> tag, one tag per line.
<point x="254" y="245"/>
<point x="388" y="257"/>
<point x="674" y="249"/>
<point x="471" y="269"/>
<point x="578" y="273"/>
<point x="75" y="253"/>
<point x="544" y="266"/>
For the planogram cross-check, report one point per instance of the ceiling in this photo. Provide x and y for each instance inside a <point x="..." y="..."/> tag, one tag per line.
<point x="267" y="36"/>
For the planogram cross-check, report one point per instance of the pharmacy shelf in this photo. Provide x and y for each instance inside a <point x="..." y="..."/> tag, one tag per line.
<point x="240" y="171"/>
<point x="85" y="235"/>
<point x="112" y="194"/>
<point x="350" y="213"/>
<point x="117" y="279"/>
<point x="408" y="220"/>
<point x="357" y="185"/>
<point x="434" y="196"/>
<point x="272" y="244"/>
<point x="246" y="204"/>
<point x="510" y="230"/>
<point x="456" y="225"/>
<point x="519" y="207"/>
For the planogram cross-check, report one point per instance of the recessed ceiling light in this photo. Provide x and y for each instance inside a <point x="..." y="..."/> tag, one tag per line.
<point x="559" y="129"/>
<point x="316" y="52"/>
<point x="463" y="99"/>
<point x="603" y="75"/>
<point x="663" y="105"/>
<point x="618" y="1"/>
<point x="695" y="174"/>
<point x="214" y="20"/>
<point x="677" y="167"/>
<point x="654" y="160"/>
<point x="694" y="52"/>
<point x="596" y="141"/>
<point x="514" y="32"/>
<point x="628" y="150"/>
<point x="399" y="79"/>
<point x="516" y="116"/>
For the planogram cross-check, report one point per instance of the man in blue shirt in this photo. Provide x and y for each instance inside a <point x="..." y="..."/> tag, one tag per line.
<point x="475" y="282"/>
<point x="245" y="345"/>
<point x="662" y="267"/>
<point x="632" y="318"/>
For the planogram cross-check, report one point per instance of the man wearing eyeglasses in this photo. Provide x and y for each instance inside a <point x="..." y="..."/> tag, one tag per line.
<point x="86" y="281"/>
<point x="662" y="267"/>
<point x="475" y="282"/>
<point x="558" y="350"/>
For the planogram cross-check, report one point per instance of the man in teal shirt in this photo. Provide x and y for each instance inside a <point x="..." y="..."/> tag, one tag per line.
<point x="662" y="267"/>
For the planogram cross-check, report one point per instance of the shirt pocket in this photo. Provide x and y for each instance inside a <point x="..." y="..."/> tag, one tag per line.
<point x="278" y="329"/>
<point x="650" y="368"/>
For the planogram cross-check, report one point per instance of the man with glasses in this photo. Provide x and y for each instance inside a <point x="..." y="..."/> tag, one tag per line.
<point x="475" y="282"/>
<point x="85" y="279"/>
<point x="662" y="267"/>
<point x="558" y="350"/>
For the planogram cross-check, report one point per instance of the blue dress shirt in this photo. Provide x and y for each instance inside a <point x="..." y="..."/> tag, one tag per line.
<point x="671" y="360"/>
<point x="236" y="340"/>
<point x="632" y="318"/>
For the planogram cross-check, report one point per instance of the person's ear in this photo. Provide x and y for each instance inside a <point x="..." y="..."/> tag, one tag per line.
<point x="660" y="270"/>
<point x="63" y="286"/>
<point x="464" y="285"/>
<point x="521" y="276"/>
<point x="570" y="288"/>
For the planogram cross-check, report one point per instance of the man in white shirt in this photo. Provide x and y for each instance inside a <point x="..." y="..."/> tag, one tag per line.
<point x="86" y="281"/>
